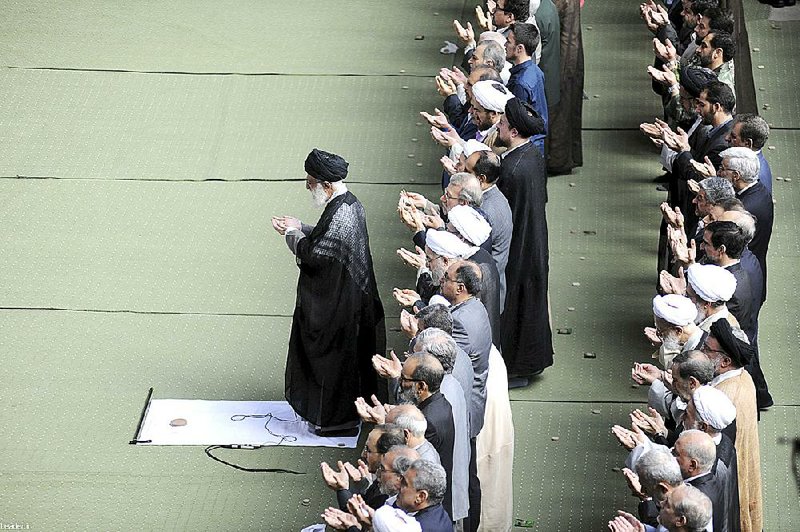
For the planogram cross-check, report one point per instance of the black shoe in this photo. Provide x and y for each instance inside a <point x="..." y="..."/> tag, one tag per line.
<point x="519" y="382"/>
<point x="663" y="178"/>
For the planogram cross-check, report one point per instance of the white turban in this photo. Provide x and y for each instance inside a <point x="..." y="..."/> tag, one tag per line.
<point x="390" y="519"/>
<point x="713" y="407"/>
<point x="711" y="283"/>
<point x="491" y="95"/>
<point x="674" y="309"/>
<point x="473" y="146"/>
<point x="447" y="244"/>
<point x="470" y="224"/>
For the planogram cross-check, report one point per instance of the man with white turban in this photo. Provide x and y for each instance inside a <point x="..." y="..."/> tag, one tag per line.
<point x="676" y="332"/>
<point x="488" y="105"/>
<point x="710" y="287"/>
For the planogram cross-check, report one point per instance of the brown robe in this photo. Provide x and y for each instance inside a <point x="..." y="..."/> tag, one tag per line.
<point x="742" y="392"/>
<point x="564" y="146"/>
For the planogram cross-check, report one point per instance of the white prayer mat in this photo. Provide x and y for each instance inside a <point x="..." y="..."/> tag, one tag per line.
<point x="246" y="423"/>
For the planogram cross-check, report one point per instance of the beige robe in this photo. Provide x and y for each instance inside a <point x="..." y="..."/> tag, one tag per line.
<point x="742" y="392"/>
<point x="495" y="448"/>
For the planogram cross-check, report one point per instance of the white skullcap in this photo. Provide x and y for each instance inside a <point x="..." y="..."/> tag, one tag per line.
<point x="390" y="519"/>
<point x="674" y="309"/>
<point x="470" y="224"/>
<point x="711" y="283"/>
<point x="473" y="146"/>
<point x="713" y="407"/>
<point x="447" y="244"/>
<point x="491" y="95"/>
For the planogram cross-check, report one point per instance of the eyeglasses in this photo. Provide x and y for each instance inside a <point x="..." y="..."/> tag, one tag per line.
<point x="446" y="278"/>
<point x="382" y="469"/>
<point x="403" y="378"/>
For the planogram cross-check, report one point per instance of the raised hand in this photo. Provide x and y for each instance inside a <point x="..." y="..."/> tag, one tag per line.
<point x="408" y="323"/>
<point x="672" y="285"/>
<point x="466" y="35"/>
<point x="336" y="480"/>
<point x="484" y="19"/>
<point x="388" y="368"/>
<point x="415" y="260"/>
<point x="445" y="87"/>
<point x="645" y="373"/>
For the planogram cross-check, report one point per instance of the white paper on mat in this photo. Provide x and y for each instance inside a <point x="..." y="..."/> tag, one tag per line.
<point x="221" y="423"/>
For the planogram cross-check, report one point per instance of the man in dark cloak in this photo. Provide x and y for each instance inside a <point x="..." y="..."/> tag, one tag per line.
<point x="527" y="342"/>
<point x="338" y="322"/>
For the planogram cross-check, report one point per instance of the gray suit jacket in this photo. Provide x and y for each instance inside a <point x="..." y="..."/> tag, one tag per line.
<point x="464" y="374"/>
<point x="473" y="333"/>
<point x="498" y="214"/>
<point x="455" y="396"/>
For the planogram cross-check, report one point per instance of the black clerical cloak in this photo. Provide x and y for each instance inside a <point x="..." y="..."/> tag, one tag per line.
<point x="527" y="342"/>
<point x="338" y="320"/>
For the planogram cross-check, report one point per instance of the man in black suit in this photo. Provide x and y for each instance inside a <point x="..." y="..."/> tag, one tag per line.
<point x="420" y="379"/>
<point x="741" y="167"/>
<point x="723" y="244"/>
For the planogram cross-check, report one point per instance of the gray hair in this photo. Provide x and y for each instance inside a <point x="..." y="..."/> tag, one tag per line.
<point x="495" y="52"/>
<point x="693" y="505"/>
<point x="744" y="161"/>
<point x="717" y="189"/>
<point x="700" y="447"/>
<point x="438" y="343"/>
<point x="754" y="128"/>
<point x="471" y="191"/>
<point x="435" y="317"/>
<point x="431" y="478"/>
<point x="746" y="222"/>
<point x="402" y="464"/>
<point x="655" y="466"/>
<point x="410" y="418"/>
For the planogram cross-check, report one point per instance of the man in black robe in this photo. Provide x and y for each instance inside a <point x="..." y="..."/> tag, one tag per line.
<point x="338" y="320"/>
<point x="527" y="341"/>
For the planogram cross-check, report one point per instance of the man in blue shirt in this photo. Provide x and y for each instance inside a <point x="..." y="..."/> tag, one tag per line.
<point x="527" y="79"/>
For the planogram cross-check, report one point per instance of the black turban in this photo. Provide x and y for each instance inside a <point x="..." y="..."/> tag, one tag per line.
<point x="524" y="118"/>
<point x="325" y="166"/>
<point x="694" y="79"/>
<point x="740" y="352"/>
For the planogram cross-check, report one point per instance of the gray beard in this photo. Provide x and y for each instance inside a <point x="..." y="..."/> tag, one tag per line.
<point x="671" y="343"/>
<point x="409" y="396"/>
<point x="318" y="197"/>
<point x="437" y="274"/>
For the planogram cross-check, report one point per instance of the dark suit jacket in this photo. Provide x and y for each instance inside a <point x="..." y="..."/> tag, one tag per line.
<point x="434" y="519"/>
<point x="441" y="432"/>
<point x="372" y="496"/>
<point x="758" y="202"/>
<point x="744" y="304"/>
<point x="726" y="459"/>
<point x="703" y="144"/>
<point x="714" y="488"/>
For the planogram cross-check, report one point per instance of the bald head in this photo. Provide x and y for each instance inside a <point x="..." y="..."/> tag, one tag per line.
<point x="696" y="452"/>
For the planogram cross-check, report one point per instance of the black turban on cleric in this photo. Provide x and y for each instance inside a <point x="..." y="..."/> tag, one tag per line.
<point x="524" y="118"/>
<point x="740" y="352"/>
<point x="325" y="166"/>
<point x="694" y="79"/>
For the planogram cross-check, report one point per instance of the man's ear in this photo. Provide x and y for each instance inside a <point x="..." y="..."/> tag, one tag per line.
<point x="422" y="496"/>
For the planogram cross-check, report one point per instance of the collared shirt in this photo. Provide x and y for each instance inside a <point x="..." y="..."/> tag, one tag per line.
<point x="725" y="376"/>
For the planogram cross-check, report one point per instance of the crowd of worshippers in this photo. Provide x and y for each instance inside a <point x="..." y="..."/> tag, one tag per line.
<point x="440" y="455"/>
<point x="694" y="459"/>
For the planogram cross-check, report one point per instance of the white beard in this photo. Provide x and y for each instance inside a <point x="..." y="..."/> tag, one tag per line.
<point x="318" y="197"/>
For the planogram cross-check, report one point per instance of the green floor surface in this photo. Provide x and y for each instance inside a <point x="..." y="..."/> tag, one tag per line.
<point x="145" y="126"/>
<point x="332" y="37"/>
